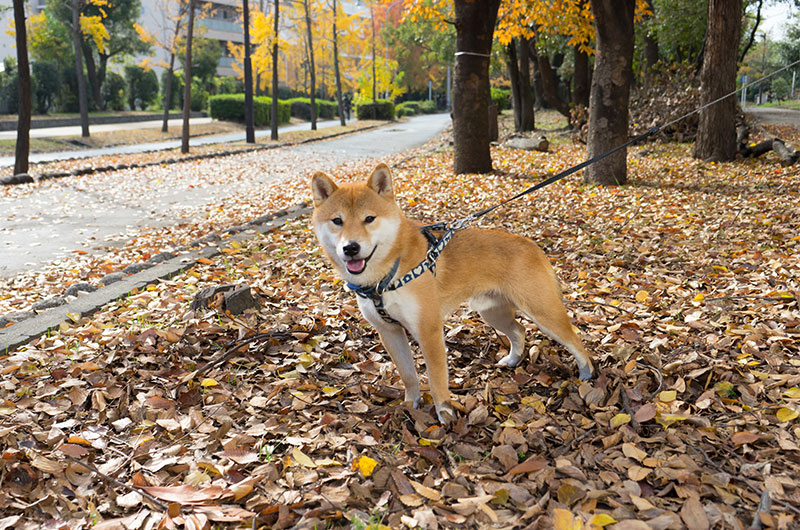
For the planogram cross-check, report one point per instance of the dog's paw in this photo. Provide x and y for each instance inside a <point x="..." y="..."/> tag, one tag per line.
<point x="585" y="373"/>
<point x="445" y="413"/>
<point x="510" y="360"/>
<point x="415" y="398"/>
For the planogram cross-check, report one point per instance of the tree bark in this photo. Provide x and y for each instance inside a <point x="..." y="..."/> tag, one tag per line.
<point x="752" y="37"/>
<point x="716" y="131"/>
<point x="187" y="81"/>
<point x="339" y="101"/>
<point x="83" y="104"/>
<point x="23" y="147"/>
<point x="250" y="133"/>
<point x="274" y="116"/>
<point x="91" y="73"/>
<point x="312" y="69"/>
<point x="580" y="91"/>
<point x="168" y="93"/>
<point x="550" y="83"/>
<point x="608" y="101"/>
<point x="538" y="87"/>
<point x="474" y="31"/>
<point x="525" y="95"/>
<point x="513" y="75"/>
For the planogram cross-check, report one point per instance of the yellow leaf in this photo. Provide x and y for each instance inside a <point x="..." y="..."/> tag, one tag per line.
<point x="667" y="395"/>
<point x="330" y="391"/>
<point x="620" y="419"/>
<point x="236" y="244"/>
<point x="601" y="520"/>
<point x="366" y="465"/>
<point x="642" y="296"/>
<point x="75" y="317"/>
<point x="209" y="382"/>
<point x="699" y="298"/>
<point x="564" y="520"/>
<point x="786" y="414"/>
<point x="302" y="458"/>
<point x="793" y="393"/>
<point x="665" y="420"/>
<point x="720" y="268"/>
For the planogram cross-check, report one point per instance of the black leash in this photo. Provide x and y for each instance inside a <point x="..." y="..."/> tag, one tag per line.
<point x="436" y="245"/>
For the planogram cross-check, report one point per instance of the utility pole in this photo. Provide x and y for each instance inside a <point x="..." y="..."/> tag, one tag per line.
<point x="763" y="67"/>
<point x="250" y="132"/>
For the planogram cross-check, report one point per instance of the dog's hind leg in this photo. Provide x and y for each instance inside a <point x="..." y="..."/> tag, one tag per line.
<point x="554" y="322"/>
<point x="500" y="313"/>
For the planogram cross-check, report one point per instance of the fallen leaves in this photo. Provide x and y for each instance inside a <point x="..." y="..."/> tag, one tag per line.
<point x="683" y="286"/>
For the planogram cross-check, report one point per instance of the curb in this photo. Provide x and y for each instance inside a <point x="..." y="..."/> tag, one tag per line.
<point x="27" y="179"/>
<point x="86" y="304"/>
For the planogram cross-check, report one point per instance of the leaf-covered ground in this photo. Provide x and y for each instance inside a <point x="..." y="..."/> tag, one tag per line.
<point x="684" y="286"/>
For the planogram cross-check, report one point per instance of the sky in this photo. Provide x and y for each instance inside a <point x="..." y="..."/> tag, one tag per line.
<point x="775" y="18"/>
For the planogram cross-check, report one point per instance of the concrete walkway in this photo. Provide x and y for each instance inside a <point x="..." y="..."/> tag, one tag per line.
<point x="86" y="214"/>
<point x="8" y="161"/>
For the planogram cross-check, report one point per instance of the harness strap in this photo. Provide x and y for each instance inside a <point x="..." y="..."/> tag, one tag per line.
<point x="435" y="248"/>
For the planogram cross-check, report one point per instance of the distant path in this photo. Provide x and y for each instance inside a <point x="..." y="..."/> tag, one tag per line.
<point x="774" y="116"/>
<point x="87" y="213"/>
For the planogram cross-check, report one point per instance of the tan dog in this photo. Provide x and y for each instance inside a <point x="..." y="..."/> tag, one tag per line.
<point x="366" y="236"/>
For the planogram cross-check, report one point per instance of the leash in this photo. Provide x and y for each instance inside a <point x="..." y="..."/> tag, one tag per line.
<point x="436" y="245"/>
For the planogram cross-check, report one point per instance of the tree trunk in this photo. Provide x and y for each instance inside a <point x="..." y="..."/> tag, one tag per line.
<point x="23" y="147"/>
<point x="83" y="104"/>
<point x="513" y="75"/>
<point x="580" y="92"/>
<point x="474" y="31"/>
<point x="339" y="102"/>
<point x="374" y="78"/>
<point x="168" y="93"/>
<point x="716" y="130"/>
<point x="611" y="83"/>
<point x="538" y="87"/>
<point x="752" y="37"/>
<point x="274" y="116"/>
<point x="91" y="73"/>
<point x="187" y="81"/>
<point x="550" y="84"/>
<point x="312" y="70"/>
<point x="250" y="133"/>
<point x="525" y="94"/>
<point x="650" y="49"/>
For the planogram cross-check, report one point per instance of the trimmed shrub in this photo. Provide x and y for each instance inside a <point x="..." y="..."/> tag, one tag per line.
<point x="113" y="91"/>
<point x="142" y="86"/>
<point x="380" y="110"/>
<point x="301" y="108"/>
<point x="231" y="107"/>
<point x="502" y="98"/>
<point x="427" y="107"/>
<point x="404" y="109"/>
<point x="46" y="84"/>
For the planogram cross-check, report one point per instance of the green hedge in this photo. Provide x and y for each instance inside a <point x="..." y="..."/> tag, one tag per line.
<point x="301" y="108"/>
<point x="427" y="107"/>
<point x="380" y="110"/>
<point x="407" y="108"/>
<point x="231" y="107"/>
<point x="502" y="98"/>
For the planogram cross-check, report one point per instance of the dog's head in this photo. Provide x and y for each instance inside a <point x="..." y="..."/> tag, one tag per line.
<point x="357" y="224"/>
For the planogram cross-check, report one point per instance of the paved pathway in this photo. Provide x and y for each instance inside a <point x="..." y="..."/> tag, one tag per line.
<point x="141" y="148"/>
<point x="89" y="213"/>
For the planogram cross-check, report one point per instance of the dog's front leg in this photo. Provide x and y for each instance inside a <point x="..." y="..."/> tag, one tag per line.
<point x="431" y="341"/>
<point x="395" y="341"/>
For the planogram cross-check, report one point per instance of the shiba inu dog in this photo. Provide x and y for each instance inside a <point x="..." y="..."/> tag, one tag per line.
<point x="371" y="243"/>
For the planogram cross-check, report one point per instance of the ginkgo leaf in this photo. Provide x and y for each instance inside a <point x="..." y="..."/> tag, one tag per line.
<point x="301" y="458"/>
<point x="667" y="396"/>
<point x="365" y="465"/>
<point x="786" y="414"/>
<point x="620" y="419"/>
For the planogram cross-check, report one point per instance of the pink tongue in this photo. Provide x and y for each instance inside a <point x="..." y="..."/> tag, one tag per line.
<point x="356" y="265"/>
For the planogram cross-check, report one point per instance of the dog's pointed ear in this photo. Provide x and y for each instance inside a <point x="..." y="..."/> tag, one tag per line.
<point x="381" y="181"/>
<point x="322" y="187"/>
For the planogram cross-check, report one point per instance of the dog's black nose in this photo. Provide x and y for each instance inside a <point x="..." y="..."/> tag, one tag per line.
<point x="351" y="249"/>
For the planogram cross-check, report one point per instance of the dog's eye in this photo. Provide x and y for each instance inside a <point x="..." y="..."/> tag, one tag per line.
<point x="337" y="221"/>
<point x="368" y="219"/>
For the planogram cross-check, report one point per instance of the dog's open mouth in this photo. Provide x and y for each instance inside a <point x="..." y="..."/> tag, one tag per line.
<point x="357" y="266"/>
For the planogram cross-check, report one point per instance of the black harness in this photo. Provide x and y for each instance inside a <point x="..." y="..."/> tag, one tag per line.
<point x="435" y="248"/>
